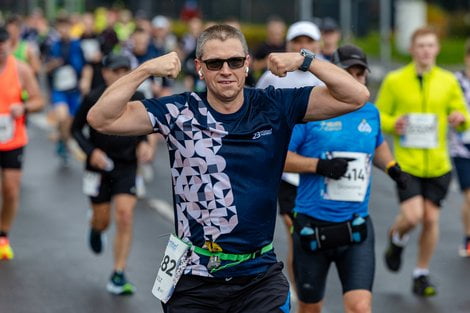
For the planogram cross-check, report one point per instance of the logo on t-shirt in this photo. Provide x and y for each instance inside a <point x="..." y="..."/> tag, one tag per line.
<point x="262" y="133"/>
<point x="331" y="126"/>
<point x="364" y="127"/>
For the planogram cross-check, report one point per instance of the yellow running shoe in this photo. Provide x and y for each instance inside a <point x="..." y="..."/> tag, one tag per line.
<point x="6" y="252"/>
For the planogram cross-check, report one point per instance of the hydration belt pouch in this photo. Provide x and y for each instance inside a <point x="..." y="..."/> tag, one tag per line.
<point x="316" y="235"/>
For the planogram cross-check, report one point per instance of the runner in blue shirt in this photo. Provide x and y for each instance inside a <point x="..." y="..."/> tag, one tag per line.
<point x="331" y="219"/>
<point x="459" y="149"/>
<point x="227" y="150"/>
<point x="64" y="68"/>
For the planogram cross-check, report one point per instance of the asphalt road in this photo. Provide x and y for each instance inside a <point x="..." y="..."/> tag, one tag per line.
<point x="54" y="271"/>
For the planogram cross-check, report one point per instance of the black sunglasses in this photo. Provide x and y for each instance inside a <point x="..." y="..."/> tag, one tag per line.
<point x="216" y="64"/>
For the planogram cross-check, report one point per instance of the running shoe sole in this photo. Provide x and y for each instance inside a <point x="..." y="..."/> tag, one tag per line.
<point x="6" y="256"/>
<point x="427" y="292"/>
<point x="126" y="289"/>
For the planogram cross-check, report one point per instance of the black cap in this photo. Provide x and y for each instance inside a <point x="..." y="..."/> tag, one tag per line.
<point x="328" y="24"/>
<point x="114" y="61"/>
<point x="4" y="35"/>
<point x="349" y="55"/>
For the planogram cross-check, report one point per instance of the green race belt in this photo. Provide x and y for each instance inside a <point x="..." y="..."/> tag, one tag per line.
<point x="235" y="258"/>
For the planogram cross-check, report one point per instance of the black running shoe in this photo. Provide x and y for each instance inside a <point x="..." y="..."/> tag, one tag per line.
<point x="96" y="241"/>
<point x="423" y="287"/>
<point x="119" y="285"/>
<point x="392" y="256"/>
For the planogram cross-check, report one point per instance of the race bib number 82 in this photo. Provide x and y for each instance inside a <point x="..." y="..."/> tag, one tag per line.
<point x="171" y="268"/>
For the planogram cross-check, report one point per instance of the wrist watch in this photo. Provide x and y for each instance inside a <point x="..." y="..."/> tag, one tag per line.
<point x="308" y="58"/>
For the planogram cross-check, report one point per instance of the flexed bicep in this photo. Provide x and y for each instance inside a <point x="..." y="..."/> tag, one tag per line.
<point x="322" y="105"/>
<point x="134" y="120"/>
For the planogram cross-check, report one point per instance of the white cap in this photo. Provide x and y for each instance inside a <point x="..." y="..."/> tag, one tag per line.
<point x="160" y="21"/>
<point x="303" y="28"/>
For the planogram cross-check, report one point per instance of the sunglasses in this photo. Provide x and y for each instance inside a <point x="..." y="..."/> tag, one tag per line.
<point x="216" y="64"/>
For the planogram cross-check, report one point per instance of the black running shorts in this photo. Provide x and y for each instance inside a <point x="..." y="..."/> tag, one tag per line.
<point x="121" y="180"/>
<point x="355" y="264"/>
<point x="12" y="158"/>
<point x="434" y="188"/>
<point x="263" y="293"/>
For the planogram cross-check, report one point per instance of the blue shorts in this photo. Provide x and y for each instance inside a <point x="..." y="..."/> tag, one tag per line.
<point x="71" y="98"/>
<point x="355" y="264"/>
<point x="462" y="167"/>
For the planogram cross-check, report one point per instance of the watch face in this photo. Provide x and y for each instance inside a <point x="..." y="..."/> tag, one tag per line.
<point x="308" y="57"/>
<point x="306" y="52"/>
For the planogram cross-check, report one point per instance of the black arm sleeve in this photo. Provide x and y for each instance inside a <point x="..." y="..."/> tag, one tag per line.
<point x="79" y="123"/>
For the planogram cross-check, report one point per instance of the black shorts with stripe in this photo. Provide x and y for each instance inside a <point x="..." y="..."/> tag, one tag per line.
<point x="121" y="180"/>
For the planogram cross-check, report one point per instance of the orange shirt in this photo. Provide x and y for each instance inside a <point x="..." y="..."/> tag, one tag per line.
<point x="12" y="131"/>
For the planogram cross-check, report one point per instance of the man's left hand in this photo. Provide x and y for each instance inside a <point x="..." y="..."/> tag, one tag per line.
<point x="400" y="177"/>
<point x="455" y="119"/>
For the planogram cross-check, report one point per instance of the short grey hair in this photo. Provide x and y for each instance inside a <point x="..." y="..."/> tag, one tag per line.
<point x="220" y="32"/>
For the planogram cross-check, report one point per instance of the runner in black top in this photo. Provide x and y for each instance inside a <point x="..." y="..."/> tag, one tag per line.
<point x="110" y="175"/>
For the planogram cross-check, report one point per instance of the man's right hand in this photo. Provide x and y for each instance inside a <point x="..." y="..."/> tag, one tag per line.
<point x="98" y="159"/>
<point x="168" y="65"/>
<point x="400" y="125"/>
<point x="333" y="168"/>
<point x="279" y="63"/>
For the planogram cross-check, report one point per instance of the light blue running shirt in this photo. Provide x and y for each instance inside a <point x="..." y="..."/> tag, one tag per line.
<point x="357" y="132"/>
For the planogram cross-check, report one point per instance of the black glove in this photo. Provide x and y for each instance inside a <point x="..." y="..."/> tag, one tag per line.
<point x="333" y="168"/>
<point x="400" y="177"/>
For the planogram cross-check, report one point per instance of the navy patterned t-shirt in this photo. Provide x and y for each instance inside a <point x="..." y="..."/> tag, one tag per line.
<point x="226" y="170"/>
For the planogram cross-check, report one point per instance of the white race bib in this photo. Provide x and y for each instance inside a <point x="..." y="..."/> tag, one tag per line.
<point x="90" y="48"/>
<point x="466" y="137"/>
<point x="353" y="185"/>
<point x="173" y="264"/>
<point x="421" y="131"/>
<point x="7" y="127"/>
<point x="91" y="183"/>
<point x="65" y="78"/>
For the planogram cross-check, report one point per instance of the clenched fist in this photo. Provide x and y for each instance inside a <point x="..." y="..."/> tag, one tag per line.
<point x="456" y="118"/>
<point x="168" y="65"/>
<point x="282" y="62"/>
<point x="17" y="110"/>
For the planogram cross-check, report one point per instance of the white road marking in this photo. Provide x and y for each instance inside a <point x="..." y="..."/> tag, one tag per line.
<point x="162" y="207"/>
